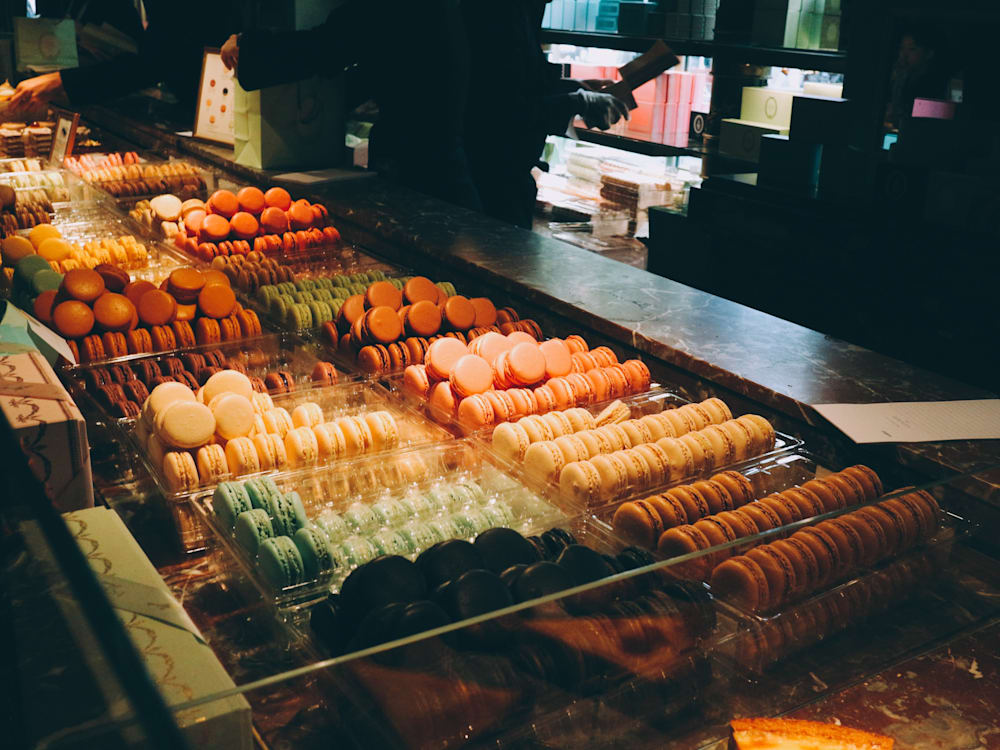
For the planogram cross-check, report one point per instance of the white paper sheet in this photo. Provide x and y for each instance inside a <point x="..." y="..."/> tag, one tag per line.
<point x="916" y="421"/>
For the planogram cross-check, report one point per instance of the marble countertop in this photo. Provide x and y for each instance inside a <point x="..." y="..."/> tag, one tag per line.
<point x="777" y="363"/>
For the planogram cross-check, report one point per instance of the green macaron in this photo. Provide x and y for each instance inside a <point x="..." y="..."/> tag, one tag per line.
<point x="252" y="528"/>
<point x="314" y="547"/>
<point x="280" y="562"/>
<point x="228" y="501"/>
<point x="334" y="525"/>
<point x="391" y="542"/>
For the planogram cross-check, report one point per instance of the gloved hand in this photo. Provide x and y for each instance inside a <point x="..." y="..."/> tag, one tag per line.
<point x="600" y="110"/>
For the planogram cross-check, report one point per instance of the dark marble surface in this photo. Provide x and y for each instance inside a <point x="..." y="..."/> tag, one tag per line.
<point x="764" y="359"/>
<point x="946" y="699"/>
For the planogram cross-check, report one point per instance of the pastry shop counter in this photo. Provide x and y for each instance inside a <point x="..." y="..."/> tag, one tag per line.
<point x="714" y="345"/>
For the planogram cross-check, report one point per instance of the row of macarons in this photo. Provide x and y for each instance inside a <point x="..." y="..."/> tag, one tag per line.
<point x="727" y="508"/>
<point x="512" y="440"/>
<point x="499" y="568"/>
<point x="772" y="575"/>
<point x="609" y="476"/>
<point x="256" y="511"/>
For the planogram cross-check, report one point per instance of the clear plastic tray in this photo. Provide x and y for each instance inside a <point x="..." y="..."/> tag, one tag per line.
<point x="395" y="475"/>
<point x="654" y="400"/>
<point x="263" y="355"/>
<point x="345" y="399"/>
<point x="753" y="641"/>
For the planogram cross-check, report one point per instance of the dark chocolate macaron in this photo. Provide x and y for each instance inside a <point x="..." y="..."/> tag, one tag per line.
<point x="501" y="548"/>
<point x="446" y="561"/>
<point x="384" y="580"/>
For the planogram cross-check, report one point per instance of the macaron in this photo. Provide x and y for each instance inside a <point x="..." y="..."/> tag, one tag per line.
<point x="251" y="529"/>
<point x="280" y="562"/>
<point x="742" y="581"/>
<point x="179" y="471"/>
<point x="211" y="462"/>
<point x="185" y="424"/>
<point x="229" y="500"/>
<point x="639" y="522"/>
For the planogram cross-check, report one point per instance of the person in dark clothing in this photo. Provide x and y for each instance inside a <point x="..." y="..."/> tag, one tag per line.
<point x="413" y="56"/>
<point x="170" y="50"/>
<point x="512" y="76"/>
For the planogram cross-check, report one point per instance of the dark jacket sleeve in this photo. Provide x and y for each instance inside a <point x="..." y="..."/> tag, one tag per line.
<point x="510" y="71"/>
<point x="271" y="58"/>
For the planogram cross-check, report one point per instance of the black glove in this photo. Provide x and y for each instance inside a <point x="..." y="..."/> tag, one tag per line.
<point x="600" y="110"/>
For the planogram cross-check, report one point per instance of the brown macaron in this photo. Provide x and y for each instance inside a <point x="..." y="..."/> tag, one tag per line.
<point x="423" y="318"/>
<point x="820" y="553"/>
<point x="807" y="502"/>
<point x="683" y="540"/>
<point x="762" y="515"/>
<point x="778" y="570"/>
<point x="383" y="294"/>
<point x="743" y="582"/>
<point x="694" y="504"/>
<point x="807" y="572"/>
<point x="848" y="542"/>
<point x="867" y="478"/>
<point x="639" y="522"/>
<point x="739" y="487"/>
<point x="671" y="510"/>
<point x="829" y="494"/>
<point x="786" y="509"/>
<point x="717" y="496"/>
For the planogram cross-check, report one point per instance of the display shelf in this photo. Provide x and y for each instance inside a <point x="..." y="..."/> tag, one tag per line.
<point x="825" y="60"/>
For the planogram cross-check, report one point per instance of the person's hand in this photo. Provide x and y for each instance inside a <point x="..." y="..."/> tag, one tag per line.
<point x="597" y="84"/>
<point x="231" y="52"/>
<point x="600" y="110"/>
<point x="35" y="92"/>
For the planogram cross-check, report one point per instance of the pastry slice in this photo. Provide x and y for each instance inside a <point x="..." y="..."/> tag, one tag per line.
<point x="795" y="734"/>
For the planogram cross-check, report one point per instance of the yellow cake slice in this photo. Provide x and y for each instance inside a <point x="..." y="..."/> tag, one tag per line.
<point x="795" y="734"/>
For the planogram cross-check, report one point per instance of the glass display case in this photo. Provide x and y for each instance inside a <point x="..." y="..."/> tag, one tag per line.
<point x="452" y="598"/>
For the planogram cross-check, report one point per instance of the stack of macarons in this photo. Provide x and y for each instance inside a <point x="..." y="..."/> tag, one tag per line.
<point x="122" y="388"/>
<point x="546" y="458"/>
<point x="772" y="575"/>
<point x="237" y="223"/>
<point x="224" y="429"/>
<point x="126" y="174"/>
<point x="497" y="378"/>
<point x="459" y="579"/>
<point x="424" y="311"/>
<point x="190" y="307"/>
<point x="272" y="528"/>
<point x="761" y="643"/>
<point x="723" y="508"/>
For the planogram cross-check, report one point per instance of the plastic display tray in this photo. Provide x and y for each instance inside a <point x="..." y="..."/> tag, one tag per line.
<point x="424" y="471"/>
<point x="262" y="355"/>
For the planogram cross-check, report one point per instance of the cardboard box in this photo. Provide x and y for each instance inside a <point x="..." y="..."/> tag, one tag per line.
<point x="770" y="106"/>
<point x="179" y="661"/>
<point x="46" y="422"/>
<point x="740" y="139"/>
